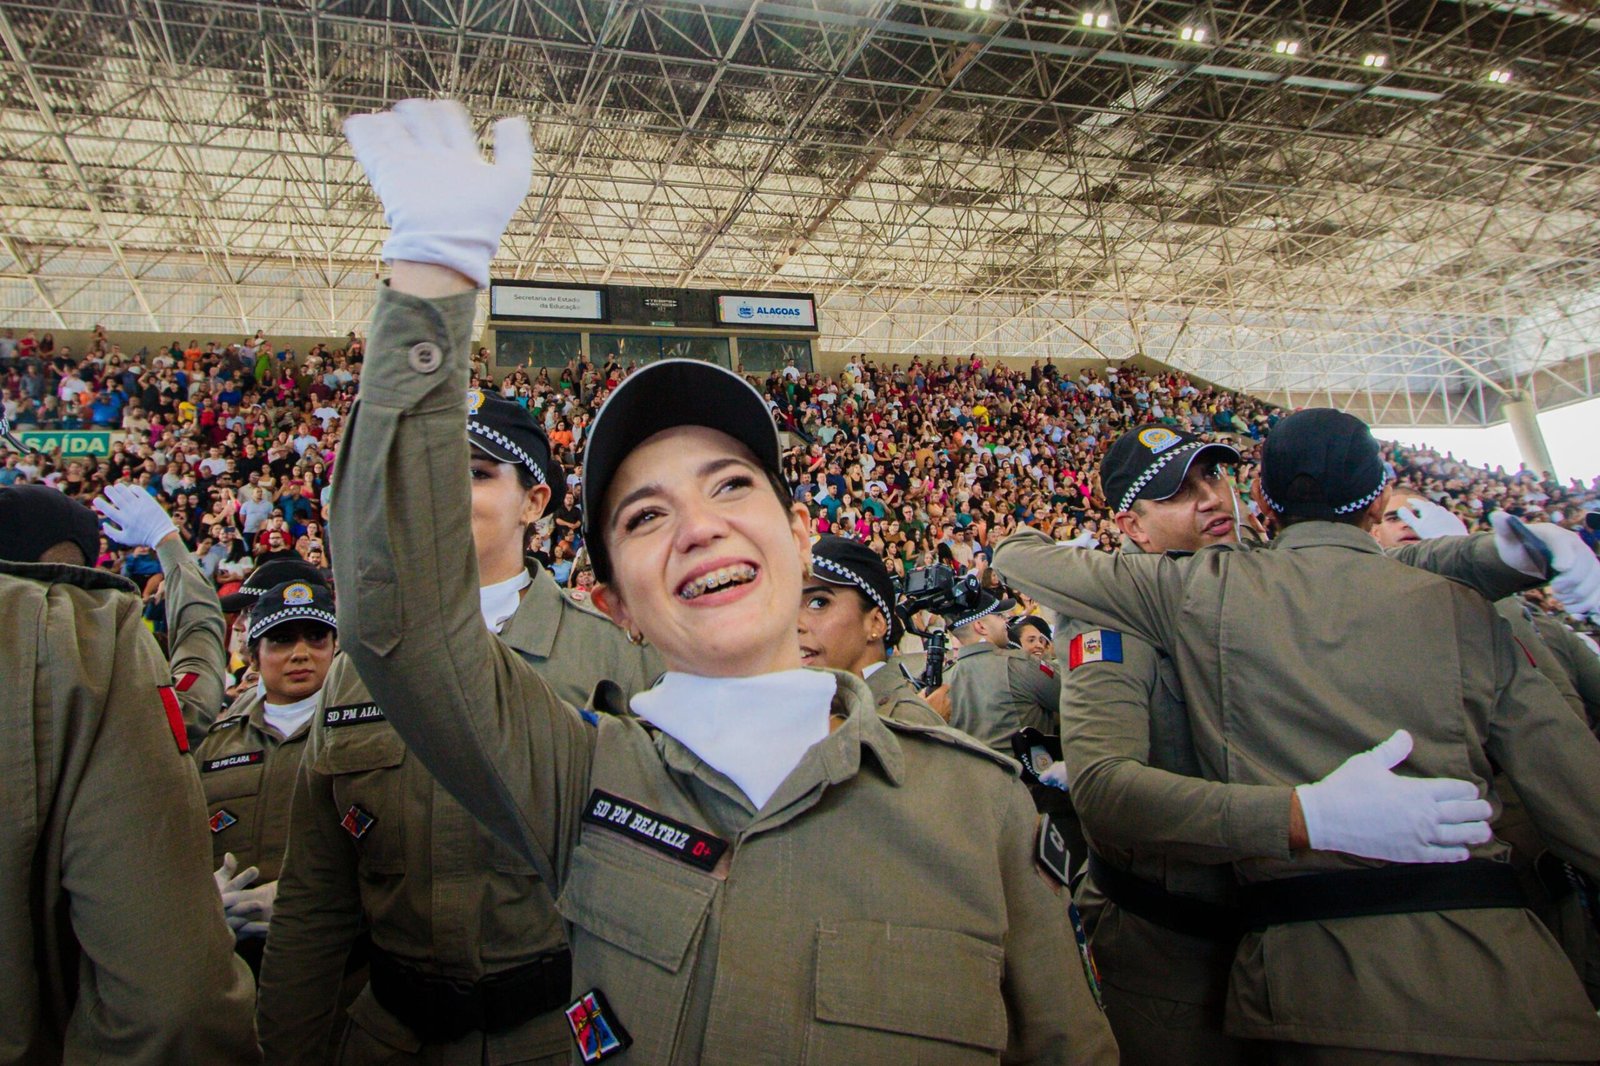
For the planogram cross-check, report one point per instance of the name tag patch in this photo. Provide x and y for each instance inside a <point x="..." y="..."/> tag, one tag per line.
<point x="672" y="838"/>
<point x="1095" y="646"/>
<point x="352" y="714"/>
<point x="228" y="762"/>
<point x="595" y="1028"/>
<point x="221" y="820"/>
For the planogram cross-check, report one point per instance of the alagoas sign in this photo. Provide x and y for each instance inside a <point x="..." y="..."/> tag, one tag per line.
<point x="788" y="310"/>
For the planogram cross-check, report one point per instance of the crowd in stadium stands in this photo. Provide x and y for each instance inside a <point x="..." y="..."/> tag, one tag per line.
<point x="925" y="461"/>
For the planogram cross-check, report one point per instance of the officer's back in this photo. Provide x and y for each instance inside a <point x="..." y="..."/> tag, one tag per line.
<point x="127" y="955"/>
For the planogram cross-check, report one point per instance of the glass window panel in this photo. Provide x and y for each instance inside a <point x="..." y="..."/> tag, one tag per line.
<point x="636" y="349"/>
<point x="706" y="349"/>
<point x="535" y="348"/>
<point x="761" y="355"/>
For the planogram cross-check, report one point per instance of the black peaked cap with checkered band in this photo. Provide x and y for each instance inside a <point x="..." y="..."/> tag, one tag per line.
<point x="1150" y="464"/>
<point x="1321" y="464"/>
<point x="292" y="601"/>
<point x="987" y="604"/>
<point x="849" y="563"/>
<point x="507" y="432"/>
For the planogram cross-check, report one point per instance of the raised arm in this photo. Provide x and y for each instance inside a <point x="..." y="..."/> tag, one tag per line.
<point x="482" y="721"/>
<point x="196" y="632"/>
<point x="1127" y="592"/>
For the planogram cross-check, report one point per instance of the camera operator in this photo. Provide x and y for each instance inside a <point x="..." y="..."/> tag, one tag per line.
<point x="848" y="622"/>
<point x="996" y="690"/>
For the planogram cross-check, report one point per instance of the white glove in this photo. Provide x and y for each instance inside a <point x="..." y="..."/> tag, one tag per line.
<point x="249" y="910"/>
<point x="442" y="202"/>
<point x="133" y="517"/>
<point x="1574" y="570"/>
<point x="1085" y="539"/>
<point x="1055" y="775"/>
<point x="230" y="881"/>
<point x="1430" y="520"/>
<point x="1365" y="809"/>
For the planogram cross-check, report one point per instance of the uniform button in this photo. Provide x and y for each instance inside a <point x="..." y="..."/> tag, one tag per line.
<point x="425" y="357"/>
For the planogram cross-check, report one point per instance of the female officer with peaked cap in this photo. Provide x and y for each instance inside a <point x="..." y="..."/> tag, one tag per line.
<point x="847" y="622"/>
<point x="735" y="863"/>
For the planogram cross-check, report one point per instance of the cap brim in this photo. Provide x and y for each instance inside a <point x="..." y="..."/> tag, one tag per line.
<point x="1169" y="479"/>
<point x="234" y="602"/>
<point x="494" y="451"/>
<point x="298" y="613"/>
<point x="662" y="396"/>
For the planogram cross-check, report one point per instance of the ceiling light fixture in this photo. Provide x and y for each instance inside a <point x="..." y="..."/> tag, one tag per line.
<point x="1375" y="59"/>
<point x="1096" y="19"/>
<point x="1193" y="33"/>
<point x="1500" y="76"/>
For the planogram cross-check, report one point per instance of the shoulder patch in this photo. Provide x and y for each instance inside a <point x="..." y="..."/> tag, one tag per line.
<point x="954" y="738"/>
<point x="1094" y="646"/>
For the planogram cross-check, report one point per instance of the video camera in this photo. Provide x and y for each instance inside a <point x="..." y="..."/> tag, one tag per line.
<point x="937" y="589"/>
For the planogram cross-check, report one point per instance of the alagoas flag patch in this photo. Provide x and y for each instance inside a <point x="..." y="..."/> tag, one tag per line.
<point x="1095" y="646"/>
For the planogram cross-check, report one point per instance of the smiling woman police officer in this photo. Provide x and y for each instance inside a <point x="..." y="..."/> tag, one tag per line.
<point x="847" y="622"/>
<point x="709" y="855"/>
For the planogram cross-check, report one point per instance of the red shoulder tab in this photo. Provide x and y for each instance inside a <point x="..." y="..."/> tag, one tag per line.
<point x="1047" y="671"/>
<point x="186" y="682"/>
<point x="180" y="733"/>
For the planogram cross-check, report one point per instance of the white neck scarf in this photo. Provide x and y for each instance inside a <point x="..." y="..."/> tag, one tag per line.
<point x="287" y="718"/>
<point x="498" y="602"/>
<point x="753" y="729"/>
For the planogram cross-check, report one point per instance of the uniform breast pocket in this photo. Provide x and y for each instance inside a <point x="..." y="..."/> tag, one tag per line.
<point x="634" y="924"/>
<point x="896" y="993"/>
<point x="368" y="792"/>
<point x="232" y="786"/>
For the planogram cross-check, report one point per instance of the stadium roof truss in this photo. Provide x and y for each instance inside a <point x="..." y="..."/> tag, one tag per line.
<point x="1306" y="222"/>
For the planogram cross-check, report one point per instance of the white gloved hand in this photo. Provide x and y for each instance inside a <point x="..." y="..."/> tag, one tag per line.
<point x="1086" y="539"/>
<point x="443" y="204"/>
<point x="133" y="517"/>
<point x="230" y="881"/>
<point x="1430" y="520"/>
<point x="1513" y="552"/>
<point x="1574" y="571"/>
<point x="1364" y="808"/>
<point x="1055" y="775"/>
<point x="249" y="910"/>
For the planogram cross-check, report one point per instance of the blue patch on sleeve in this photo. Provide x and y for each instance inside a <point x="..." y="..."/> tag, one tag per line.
<point x="590" y="717"/>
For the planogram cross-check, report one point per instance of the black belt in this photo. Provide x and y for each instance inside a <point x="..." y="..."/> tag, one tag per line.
<point x="441" y="1009"/>
<point x="1477" y="884"/>
<point x="1180" y="914"/>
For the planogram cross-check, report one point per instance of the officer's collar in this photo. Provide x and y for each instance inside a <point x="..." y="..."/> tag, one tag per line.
<point x="835" y="758"/>
<point x="1314" y="534"/>
<point x="532" y="629"/>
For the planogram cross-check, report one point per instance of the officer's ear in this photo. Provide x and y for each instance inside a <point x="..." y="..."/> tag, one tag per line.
<point x="1132" y="526"/>
<point x="534" y="502"/>
<point x="605" y="596"/>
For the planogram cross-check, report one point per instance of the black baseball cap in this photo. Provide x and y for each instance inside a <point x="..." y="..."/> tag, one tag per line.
<point x="661" y="396"/>
<point x="851" y="564"/>
<point x="269" y="574"/>
<point x="987" y="604"/>
<point x="1151" y="463"/>
<point x="292" y="601"/>
<point x="35" y="518"/>
<point x="1321" y="464"/>
<point x="507" y="432"/>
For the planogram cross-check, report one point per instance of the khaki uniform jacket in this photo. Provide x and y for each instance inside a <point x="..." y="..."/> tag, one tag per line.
<point x="431" y="886"/>
<point x="947" y="945"/>
<point x="110" y="922"/>
<point x="898" y="698"/>
<point x="247" y="769"/>
<point x="996" y="691"/>
<point x="1137" y="787"/>
<point x="1579" y="662"/>
<point x="1291" y="662"/>
<point x="197" y="645"/>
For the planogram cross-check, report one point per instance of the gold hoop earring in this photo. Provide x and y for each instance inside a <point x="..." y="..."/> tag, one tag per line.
<point x="636" y="639"/>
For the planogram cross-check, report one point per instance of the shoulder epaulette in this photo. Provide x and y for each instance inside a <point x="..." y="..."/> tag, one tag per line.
<point x="954" y="738"/>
